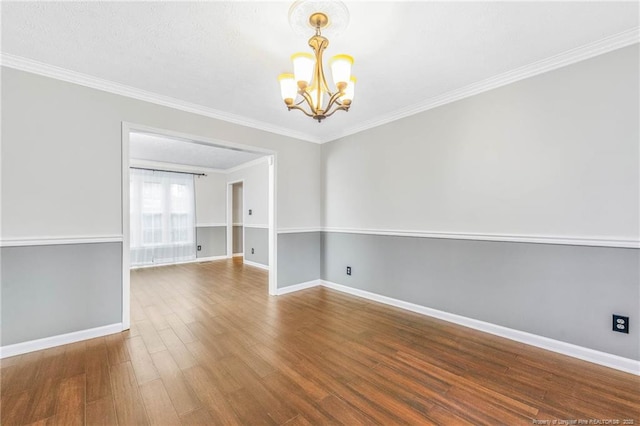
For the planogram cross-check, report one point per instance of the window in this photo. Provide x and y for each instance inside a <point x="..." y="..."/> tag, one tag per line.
<point x="162" y="217"/>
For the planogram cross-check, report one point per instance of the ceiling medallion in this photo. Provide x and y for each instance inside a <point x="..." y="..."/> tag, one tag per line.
<point x="307" y="88"/>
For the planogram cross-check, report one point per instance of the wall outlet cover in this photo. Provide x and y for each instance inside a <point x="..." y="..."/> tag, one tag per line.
<point x="620" y="324"/>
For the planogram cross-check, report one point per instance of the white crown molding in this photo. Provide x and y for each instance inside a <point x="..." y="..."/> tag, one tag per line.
<point x="536" y="239"/>
<point x="172" y="167"/>
<point x="255" y="264"/>
<point x="62" y="339"/>
<point x="298" y="230"/>
<point x="586" y="354"/>
<point x="52" y="241"/>
<point x="247" y="164"/>
<point x="211" y="225"/>
<point x="602" y="46"/>
<point x="599" y="47"/>
<point x="35" y="67"/>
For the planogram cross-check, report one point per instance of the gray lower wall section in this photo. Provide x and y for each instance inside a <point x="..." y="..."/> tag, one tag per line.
<point x="567" y="293"/>
<point x="237" y="239"/>
<point x="302" y="254"/>
<point x="212" y="240"/>
<point x="58" y="289"/>
<point x="258" y="240"/>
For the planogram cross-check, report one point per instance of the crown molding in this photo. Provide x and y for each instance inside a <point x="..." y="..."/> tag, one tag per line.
<point x="602" y="46"/>
<point x="40" y="68"/>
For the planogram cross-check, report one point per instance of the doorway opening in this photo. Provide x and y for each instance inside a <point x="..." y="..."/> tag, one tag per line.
<point x="216" y="166"/>
<point x="235" y="228"/>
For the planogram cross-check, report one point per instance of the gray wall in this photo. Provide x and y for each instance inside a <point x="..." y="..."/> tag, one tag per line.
<point x="77" y="131"/>
<point x="58" y="289"/>
<point x="555" y="155"/>
<point x="212" y="240"/>
<point x="257" y="239"/>
<point x="302" y="253"/>
<point x="562" y="292"/>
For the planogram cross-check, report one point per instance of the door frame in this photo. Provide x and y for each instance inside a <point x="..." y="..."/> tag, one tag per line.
<point x="127" y="128"/>
<point x="230" y="217"/>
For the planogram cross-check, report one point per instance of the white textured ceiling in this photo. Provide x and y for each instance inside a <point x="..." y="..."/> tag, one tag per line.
<point x="226" y="56"/>
<point x="150" y="147"/>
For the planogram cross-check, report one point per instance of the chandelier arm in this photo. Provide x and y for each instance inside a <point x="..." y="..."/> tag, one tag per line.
<point x="301" y="109"/>
<point x="335" y="99"/>
<point x="307" y="97"/>
<point x="341" y="107"/>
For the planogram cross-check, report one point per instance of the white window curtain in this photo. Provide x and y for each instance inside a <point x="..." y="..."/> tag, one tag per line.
<point x="162" y="217"/>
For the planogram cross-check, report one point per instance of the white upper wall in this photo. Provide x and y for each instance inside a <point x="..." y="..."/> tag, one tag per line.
<point x="61" y="158"/>
<point x="237" y="203"/>
<point x="553" y="155"/>
<point x="211" y="199"/>
<point x="255" y="192"/>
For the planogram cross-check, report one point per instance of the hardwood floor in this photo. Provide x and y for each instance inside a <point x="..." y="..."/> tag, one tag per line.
<point x="209" y="346"/>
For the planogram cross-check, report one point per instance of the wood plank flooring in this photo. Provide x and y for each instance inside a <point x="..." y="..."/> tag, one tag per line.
<point x="209" y="346"/>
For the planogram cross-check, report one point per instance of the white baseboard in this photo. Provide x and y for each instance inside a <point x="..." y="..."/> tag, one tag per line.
<point x="298" y="287"/>
<point x="255" y="264"/>
<point x="62" y="339"/>
<point x="586" y="354"/>
<point x="196" y="260"/>
<point x="238" y="255"/>
<point x="207" y="259"/>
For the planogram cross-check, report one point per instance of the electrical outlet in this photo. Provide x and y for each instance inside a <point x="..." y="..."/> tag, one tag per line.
<point x="348" y="270"/>
<point x="250" y="212"/>
<point x="199" y="248"/>
<point x="253" y="251"/>
<point x="621" y="324"/>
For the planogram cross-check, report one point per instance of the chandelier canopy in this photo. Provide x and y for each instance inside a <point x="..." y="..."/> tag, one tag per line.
<point x="307" y="89"/>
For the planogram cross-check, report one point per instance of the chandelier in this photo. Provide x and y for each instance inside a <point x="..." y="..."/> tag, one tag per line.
<point x="307" y="89"/>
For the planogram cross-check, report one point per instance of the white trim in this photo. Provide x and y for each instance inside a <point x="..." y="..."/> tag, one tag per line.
<point x="273" y="220"/>
<point x="258" y="226"/>
<point x="198" y="139"/>
<point x="237" y="224"/>
<point x="35" y="67"/>
<point x="238" y="255"/>
<point x="537" y="239"/>
<point x="207" y="259"/>
<point x="182" y="262"/>
<point x="298" y="230"/>
<point x="211" y="225"/>
<point x="51" y="241"/>
<point x="256" y="264"/>
<point x="586" y="354"/>
<point x="125" y="219"/>
<point x="298" y="287"/>
<point x="229" y="213"/>
<point x="599" y="47"/>
<point x="61" y="339"/>
<point x="173" y="167"/>
<point x="247" y="164"/>
<point x="569" y="57"/>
